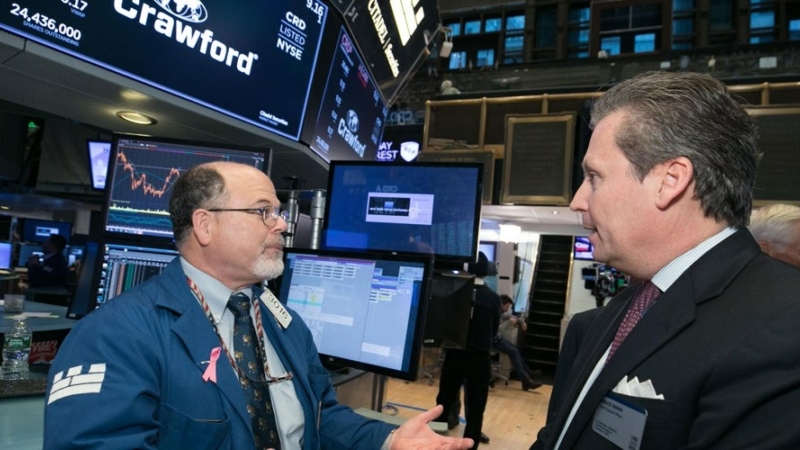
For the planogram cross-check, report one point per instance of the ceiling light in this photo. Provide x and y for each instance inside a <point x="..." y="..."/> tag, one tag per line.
<point x="510" y="233"/>
<point x="137" y="118"/>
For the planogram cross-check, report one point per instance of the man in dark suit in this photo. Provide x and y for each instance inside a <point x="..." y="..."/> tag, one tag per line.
<point x="714" y="360"/>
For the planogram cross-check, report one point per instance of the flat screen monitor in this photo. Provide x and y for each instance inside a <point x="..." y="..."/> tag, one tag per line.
<point x="25" y="251"/>
<point x="123" y="266"/>
<point x="489" y="249"/>
<point x="85" y="297"/>
<point x="37" y="230"/>
<point x="5" y="255"/>
<point x="99" y="152"/>
<point x="252" y="60"/>
<point x="429" y="208"/>
<point x="393" y="36"/>
<point x="351" y="116"/>
<point x="583" y="249"/>
<point x="365" y="310"/>
<point x="142" y="174"/>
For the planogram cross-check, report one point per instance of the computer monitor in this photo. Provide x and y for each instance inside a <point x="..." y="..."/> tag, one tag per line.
<point x="429" y="208"/>
<point x="123" y="266"/>
<point x="449" y="309"/>
<point x="583" y="249"/>
<point x="85" y="298"/>
<point x="26" y="251"/>
<point x="5" y="255"/>
<point x="99" y="152"/>
<point x="142" y="174"/>
<point x="37" y="230"/>
<point x="73" y="253"/>
<point x="365" y="310"/>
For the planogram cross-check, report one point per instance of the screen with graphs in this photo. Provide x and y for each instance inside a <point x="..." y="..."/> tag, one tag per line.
<point x="141" y="175"/>
<point x="123" y="266"/>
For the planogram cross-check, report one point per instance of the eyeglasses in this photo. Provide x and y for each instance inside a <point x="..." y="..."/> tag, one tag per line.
<point x="269" y="214"/>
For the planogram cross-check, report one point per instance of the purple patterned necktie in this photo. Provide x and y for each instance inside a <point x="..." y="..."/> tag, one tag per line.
<point x="645" y="296"/>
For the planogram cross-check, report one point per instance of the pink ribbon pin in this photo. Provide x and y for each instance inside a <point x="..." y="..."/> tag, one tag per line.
<point x="211" y="370"/>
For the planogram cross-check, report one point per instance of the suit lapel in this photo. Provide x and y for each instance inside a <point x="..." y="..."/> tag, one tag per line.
<point x="193" y="328"/>
<point x="674" y="310"/>
<point x="591" y="349"/>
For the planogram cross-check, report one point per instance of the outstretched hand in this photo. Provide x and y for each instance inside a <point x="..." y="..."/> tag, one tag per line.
<point x="415" y="434"/>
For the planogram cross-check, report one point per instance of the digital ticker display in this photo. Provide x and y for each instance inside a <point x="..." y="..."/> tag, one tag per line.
<point x="392" y="35"/>
<point x="352" y="113"/>
<point x="250" y="60"/>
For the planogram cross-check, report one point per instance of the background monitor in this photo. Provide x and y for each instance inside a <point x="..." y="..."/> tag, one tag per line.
<point x="365" y="310"/>
<point x="5" y="255"/>
<point x="583" y="249"/>
<point x="430" y="208"/>
<point x="99" y="152"/>
<point x="123" y="266"/>
<point x="26" y="251"/>
<point x="142" y="174"/>
<point x="85" y="298"/>
<point x="351" y="113"/>
<point x="37" y="230"/>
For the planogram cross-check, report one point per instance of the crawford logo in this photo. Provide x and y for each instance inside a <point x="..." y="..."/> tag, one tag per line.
<point x="202" y="41"/>
<point x="188" y="10"/>
<point x="352" y="121"/>
<point x="348" y="127"/>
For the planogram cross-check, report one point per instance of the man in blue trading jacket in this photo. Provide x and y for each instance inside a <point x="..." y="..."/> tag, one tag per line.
<point x="704" y="352"/>
<point x="151" y="368"/>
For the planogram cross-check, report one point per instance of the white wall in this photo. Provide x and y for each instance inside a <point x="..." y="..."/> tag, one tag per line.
<point x="580" y="299"/>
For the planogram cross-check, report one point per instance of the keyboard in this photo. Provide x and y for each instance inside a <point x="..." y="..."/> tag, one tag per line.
<point x="36" y="384"/>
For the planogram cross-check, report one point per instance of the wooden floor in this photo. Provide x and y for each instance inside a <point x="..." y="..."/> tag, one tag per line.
<point x="511" y="420"/>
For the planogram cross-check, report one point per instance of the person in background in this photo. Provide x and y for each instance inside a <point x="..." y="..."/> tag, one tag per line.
<point x="472" y="366"/>
<point x="53" y="270"/>
<point x="509" y="321"/>
<point x="777" y="229"/>
<point x="159" y="366"/>
<point x="703" y="352"/>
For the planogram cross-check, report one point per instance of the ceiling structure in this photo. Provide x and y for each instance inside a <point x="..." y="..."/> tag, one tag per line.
<point x="38" y="81"/>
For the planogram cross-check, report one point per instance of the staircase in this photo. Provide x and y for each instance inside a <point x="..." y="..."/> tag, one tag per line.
<point x="546" y="304"/>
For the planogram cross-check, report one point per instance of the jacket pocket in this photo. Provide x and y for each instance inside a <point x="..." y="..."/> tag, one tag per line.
<point x="181" y="431"/>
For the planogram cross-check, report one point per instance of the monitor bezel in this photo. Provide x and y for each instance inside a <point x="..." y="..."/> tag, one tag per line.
<point x="151" y="239"/>
<point x="411" y="373"/>
<point x="441" y="258"/>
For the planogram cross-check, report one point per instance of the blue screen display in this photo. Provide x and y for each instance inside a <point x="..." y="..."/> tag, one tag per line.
<point x="431" y="208"/>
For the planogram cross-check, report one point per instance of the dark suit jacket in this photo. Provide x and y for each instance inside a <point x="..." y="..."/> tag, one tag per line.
<point x="722" y="345"/>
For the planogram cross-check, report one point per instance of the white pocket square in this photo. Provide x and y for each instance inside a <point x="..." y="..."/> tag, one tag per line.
<point x="636" y="388"/>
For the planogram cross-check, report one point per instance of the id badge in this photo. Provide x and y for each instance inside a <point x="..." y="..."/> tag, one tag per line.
<point x="619" y="421"/>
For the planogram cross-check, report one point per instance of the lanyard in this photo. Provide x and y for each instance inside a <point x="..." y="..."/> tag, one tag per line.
<point x="259" y="336"/>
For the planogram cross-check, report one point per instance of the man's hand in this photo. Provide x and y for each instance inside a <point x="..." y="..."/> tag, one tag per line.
<point x="415" y="434"/>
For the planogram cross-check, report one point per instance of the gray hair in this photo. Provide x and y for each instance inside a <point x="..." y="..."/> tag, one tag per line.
<point x="773" y="223"/>
<point x="689" y="115"/>
<point x="197" y="188"/>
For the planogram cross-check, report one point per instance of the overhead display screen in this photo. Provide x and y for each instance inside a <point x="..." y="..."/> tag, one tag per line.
<point x="250" y="60"/>
<point x="352" y="113"/>
<point x="392" y="35"/>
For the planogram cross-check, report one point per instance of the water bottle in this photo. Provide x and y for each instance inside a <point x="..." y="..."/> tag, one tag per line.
<point x="16" y="349"/>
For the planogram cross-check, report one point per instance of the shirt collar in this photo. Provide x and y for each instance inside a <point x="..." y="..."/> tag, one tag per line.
<point x="215" y="293"/>
<point x="665" y="277"/>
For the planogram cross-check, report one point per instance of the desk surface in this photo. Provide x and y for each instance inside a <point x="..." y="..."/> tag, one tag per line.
<point x="38" y="323"/>
<point x="22" y="423"/>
